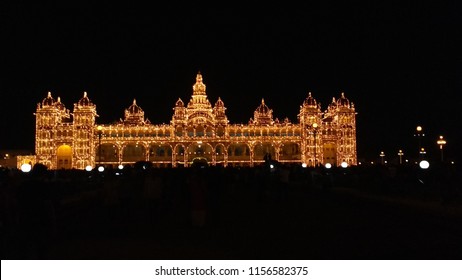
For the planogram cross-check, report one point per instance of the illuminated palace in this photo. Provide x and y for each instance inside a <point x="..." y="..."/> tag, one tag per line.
<point x="197" y="132"/>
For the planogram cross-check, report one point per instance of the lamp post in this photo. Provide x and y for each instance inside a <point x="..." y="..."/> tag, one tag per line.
<point x="422" y="152"/>
<point x="419" y="134"/>
<point x="382" y="155"/>
<point x="400" y="154"/>
<point x="100" y="133"/>
<point x="441" y="142"/>
<point x="315" y="126"/>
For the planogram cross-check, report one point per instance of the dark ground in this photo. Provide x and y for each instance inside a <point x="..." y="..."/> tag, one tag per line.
<point x="243" y="214"/>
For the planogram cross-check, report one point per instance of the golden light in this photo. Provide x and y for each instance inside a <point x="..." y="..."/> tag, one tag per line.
<point x="419" y="128"/>
<point x="344" y="164"/>
<point x="200" y="128"/>
<point x="441" y="142"/>
<point x="328" y="165"/>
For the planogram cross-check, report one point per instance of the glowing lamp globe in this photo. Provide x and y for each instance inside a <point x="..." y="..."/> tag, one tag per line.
<point x="26" y="168"/>
<point x="424" y="164"/>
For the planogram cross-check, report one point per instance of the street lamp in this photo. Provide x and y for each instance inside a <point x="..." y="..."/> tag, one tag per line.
<point x="100" y="133"/>
<point x="315" y="126"/>
<point x="400" y="154"/>
<point x="441" y="142"/>
<point x="419" y="134"/>
<point x="422" y="152"/>
<point x="382" y="155"/>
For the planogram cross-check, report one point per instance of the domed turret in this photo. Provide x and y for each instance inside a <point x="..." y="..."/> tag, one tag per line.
<point x="310" y="101"/>
<point x="84" y="101"/>
<point x="179" y="115"/>
<point x="219" y="103"/>
<point x="134" y="109"/>
<point x="219" y="112"/>
<point x="343" y="101"/>
<point x="263" y="114"/>
<point x="59" y="104"/>
<point x="134" y="114"/>
<point x="48" y="101"/>
<point x="179" y="103"/>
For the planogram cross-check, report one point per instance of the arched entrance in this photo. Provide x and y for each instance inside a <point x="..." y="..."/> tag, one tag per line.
<point x="199" y="162"/>
<point x="133" y="153"/>
<point x="238" y="154"/>
<point x="201" y="151"/>
<point x="64" y="157"/>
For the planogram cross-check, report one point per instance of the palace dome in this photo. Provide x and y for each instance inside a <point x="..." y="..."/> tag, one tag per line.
<point x="179" y="103"/>
<point x="343" y="101"/>
<point x="59" y="104"/>
<point x="48" y="101"/>
<point x="85" y="101"/>
<point x="310" y="101"/>
<point x="134" y="108"/>
<point x="263" y="109"/>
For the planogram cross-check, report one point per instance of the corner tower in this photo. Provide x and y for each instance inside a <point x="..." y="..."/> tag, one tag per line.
<point x="84" y="133"/>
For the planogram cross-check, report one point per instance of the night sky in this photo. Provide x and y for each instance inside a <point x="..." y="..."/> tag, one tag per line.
<point x="399" y="62"/>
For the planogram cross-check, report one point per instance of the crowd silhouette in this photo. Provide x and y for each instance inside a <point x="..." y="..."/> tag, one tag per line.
<point x="44" y="211"/>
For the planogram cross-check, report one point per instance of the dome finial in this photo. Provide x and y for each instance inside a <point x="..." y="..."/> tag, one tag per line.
<point x="49" y="94"/>
<point x="84" y="94"/>
<point x="134" y="101"/>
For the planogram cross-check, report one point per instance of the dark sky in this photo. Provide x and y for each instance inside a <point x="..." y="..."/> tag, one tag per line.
<point x="399" y="62"/>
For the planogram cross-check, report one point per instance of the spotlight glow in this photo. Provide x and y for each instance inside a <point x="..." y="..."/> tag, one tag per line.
<point x="344" y="164"/>
<point x="328" y="165"/>
<point x="121" y="167"/>
<point x="101" y="168"/>
<point x="26" y="167"/>
<point x="304" y="165"/>
<point x="424" y="164"/>
<point x="88" y="168"/>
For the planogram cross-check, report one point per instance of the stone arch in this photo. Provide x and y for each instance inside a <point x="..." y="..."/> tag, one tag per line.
<point x="200" y="131"/>
<point x="133" y="153"/>
<point x="330" y="153"/>
<point x="64" y="157"/>
<point x="238" y="152"/>
<point x="179" y="152"/>
<point x="209" y="131"/>
<point x="179" y="131"/>
<point x="220" y="152"/>
<point x="200" y="150"/>
<point x="289" y="151"/>
<point x="263" y="148"/>
<point x="220" y="131"/>
<point x="109" y="153"/>
<point x="160" y="152"/>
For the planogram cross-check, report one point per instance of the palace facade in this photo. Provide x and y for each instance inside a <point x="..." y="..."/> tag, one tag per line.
<point x="198" y="131"/>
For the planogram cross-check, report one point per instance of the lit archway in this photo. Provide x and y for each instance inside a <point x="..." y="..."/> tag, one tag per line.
<point x="133" y="153"/>
<point x="64" y="157"/>
<point x="200" y="150"/>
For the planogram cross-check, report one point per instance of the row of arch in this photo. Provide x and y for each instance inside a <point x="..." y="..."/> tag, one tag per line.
<point x="109" y="152"/>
